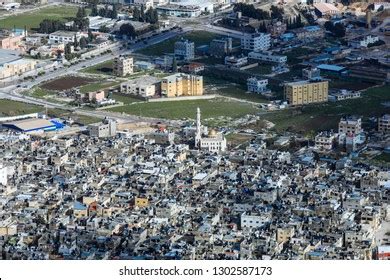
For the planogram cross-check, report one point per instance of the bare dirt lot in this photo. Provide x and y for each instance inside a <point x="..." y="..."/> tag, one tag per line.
<point x="68" y="82"/>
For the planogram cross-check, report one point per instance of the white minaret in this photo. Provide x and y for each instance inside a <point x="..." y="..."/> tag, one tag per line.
<point x="198" y="135"/>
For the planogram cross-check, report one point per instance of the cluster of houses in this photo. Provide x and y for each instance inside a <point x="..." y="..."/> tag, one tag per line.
<point x="109" y="193"/>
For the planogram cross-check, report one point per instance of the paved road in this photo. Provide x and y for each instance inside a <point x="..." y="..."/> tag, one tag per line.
<point x="13" y="92"/>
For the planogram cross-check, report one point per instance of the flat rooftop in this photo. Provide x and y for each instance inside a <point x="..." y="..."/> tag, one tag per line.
<point x="7" y="56"/>
<point x="31" y="124"/>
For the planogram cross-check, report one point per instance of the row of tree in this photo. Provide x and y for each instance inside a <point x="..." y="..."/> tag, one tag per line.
<point x="295" y="22"/>
<point x="82" y="44"/>
<point x="80" y="22"/>
<point x="149" y="16"/>
<point x="50" y="25"/>
<point x="106" y="11"/>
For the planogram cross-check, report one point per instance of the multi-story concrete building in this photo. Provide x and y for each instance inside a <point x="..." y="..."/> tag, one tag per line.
<point x="145" y="86"/>
<point x="276" y="28"/>
<point x="384" y="123"/>
<point x="17" y="67"/>
<point x="364" y="41"/>
<point x="96" y="96"/>
<point x="350" y="132"/>
<point x="185" y="49"/>
<point x="350" y="125"/>
<point x="255" y="41"/>
<point x="182" y="85"/>
<point x="236" y="61"/>
<point x="306" y="92"/>
<point x="309" y="33"/>
<point x="107" y="128"/>
<point x="10" y="42"/>
<point x="257" y="85"/>
<point x="249" y="221"/>
<point x="311" y="73"/>
<point x="64" y="37"/>
<point x="268" y="57"/>
<point x="123" y="66"/>
<point x="325" y="140"/>
<point x="221" y="47"/>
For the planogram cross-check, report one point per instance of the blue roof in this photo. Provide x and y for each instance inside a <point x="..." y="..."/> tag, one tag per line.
<point x="79" y="206"/>
<point x="58" y="124"/>
<point x="312" y="28"/>
<point x="322" y="57"/>
<point x="330" y="67"/>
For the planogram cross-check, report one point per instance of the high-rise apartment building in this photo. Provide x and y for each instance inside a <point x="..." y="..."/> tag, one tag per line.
<point x="123" y="66"/>
<point x="185" y="49"/>
<point x="256" y="41"/>
<point x="306" y="92"/>
<point x="182" y="85"/>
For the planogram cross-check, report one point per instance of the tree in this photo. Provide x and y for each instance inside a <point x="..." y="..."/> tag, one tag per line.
<point x="81" y="13"/>
<point x="49" y="26"/>
<point x="83" y="42"/>
<point x="104" y="29"/>
<point x="262" y="27"/>
<point x="127" y="30"/>
<point x="328" y="25"/>
<point x="90" y="36"/>
<point x="277" y="13"/>
<point x="114" y="12"/>
<point x="339" y="30"/>
<point x="142" y="15"/>
<point x="151" y="16"/>
<point x="174" y="65"/>
<point x="75" y="42"/>
<point x="94" y="10"/>
<point x="68" y="52"/>
<point x="136" y="14"/>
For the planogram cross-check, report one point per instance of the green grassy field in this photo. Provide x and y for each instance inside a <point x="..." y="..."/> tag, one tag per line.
<point x="41" y="93"/>
<point x="14" y="108"/>
<point x="221" y="87"/>
<point x="104" y="68"/>
<point x="97" y="86"/>
<point x="32" y="19"/>
<point x="125" y="99"/>
<point x="326" y="116"/>
<point x="198" y="37"/>
<point x="187" y="109"/>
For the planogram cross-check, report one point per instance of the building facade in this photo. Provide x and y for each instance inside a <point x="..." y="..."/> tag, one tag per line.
<point x="257" y="85"/>
<point x="268" y="57"/>
<point x="123" y="66"/>
<point x="17" y="67"/>
<point x="221" y="47"/>
<point x="145" y="86"/>
<point x="306" y="92"/>
<point x="384" y="123"/>
<point x="107" y="128"/>
<point x="182" y="85"/>
<point x="256" y="41"/>
<point x="64" y="37"/>
<point x="185" y="49"/>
